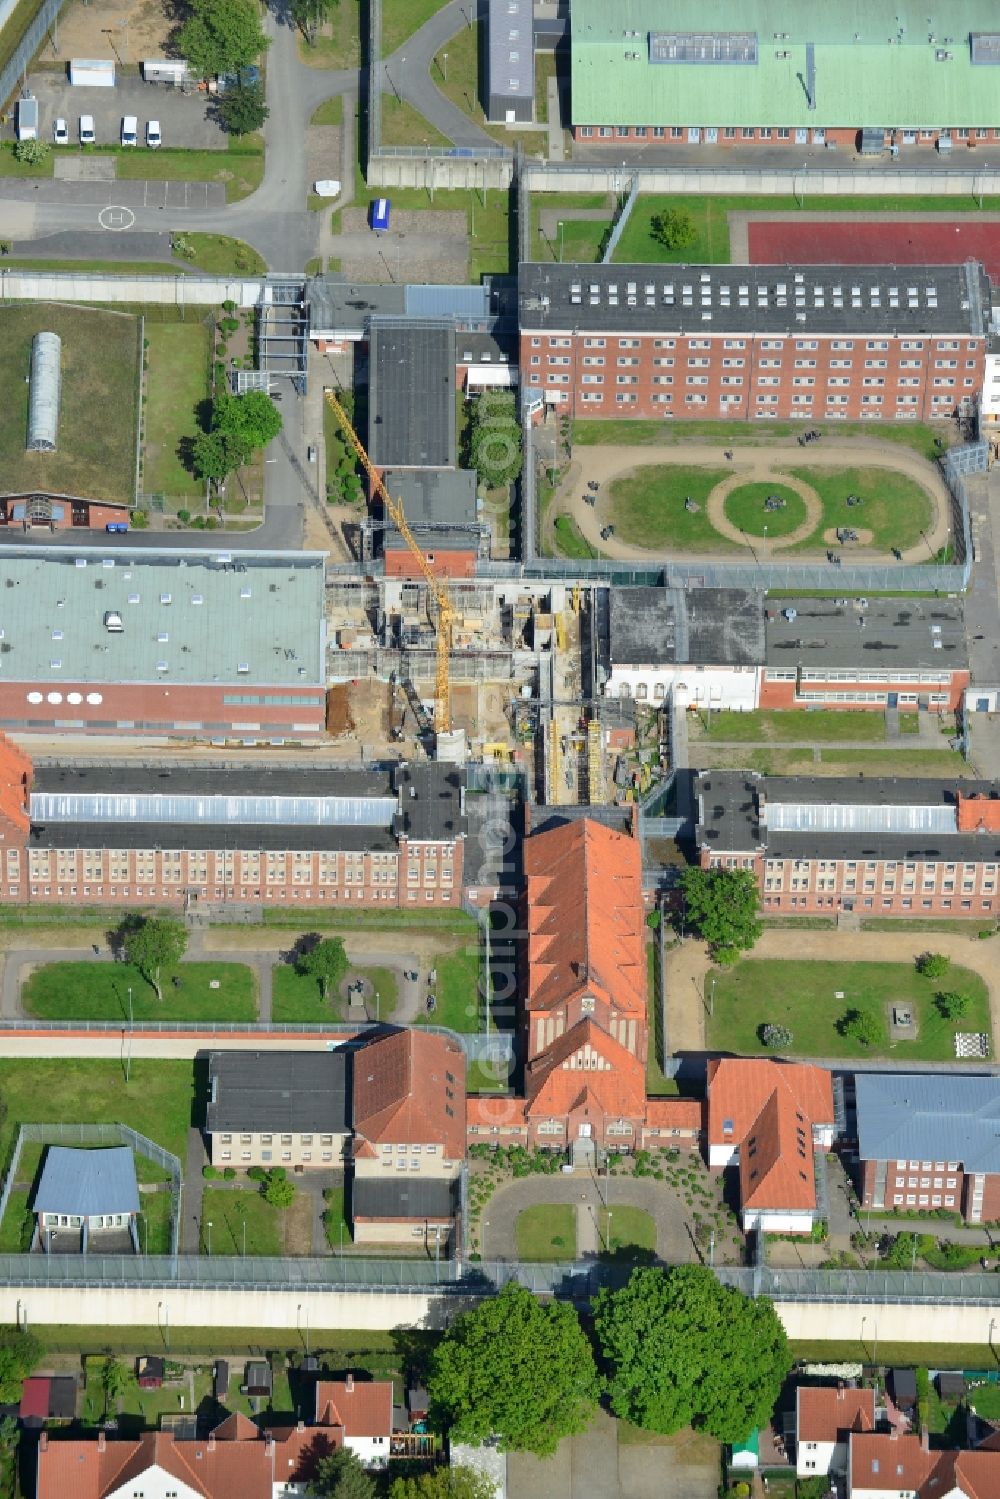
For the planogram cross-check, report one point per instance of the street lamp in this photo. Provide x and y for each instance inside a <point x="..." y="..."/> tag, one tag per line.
<point x="128" y="1056"/>
<point x="208" y="1225"/>
<point x="378" y="1005"/>
<point x="561" y="228"/>
<point x="444" y="65"/>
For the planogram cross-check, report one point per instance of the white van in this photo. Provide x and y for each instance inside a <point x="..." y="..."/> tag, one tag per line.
<point x="153" y="137"/>
<point x="87" y="136"/>
<point x="130" y="130"/>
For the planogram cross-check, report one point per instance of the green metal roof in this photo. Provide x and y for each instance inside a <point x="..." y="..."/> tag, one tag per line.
<point x="876" y="63"/>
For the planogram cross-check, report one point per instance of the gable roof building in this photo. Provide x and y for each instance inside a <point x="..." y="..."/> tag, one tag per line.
<point x="87" y="1183"/>
<point x="200" y="1469"/>
<point x="825" y="1415"/>
<point x="409" y="1086"/>
<point x="770" y="1118"/>
<point x="359" y="1413"/>
<point x="882" y="1465"/>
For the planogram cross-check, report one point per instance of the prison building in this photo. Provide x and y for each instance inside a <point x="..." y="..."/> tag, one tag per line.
<point x="699" y="647"/>
<point x="868" y="845"/>
<point x="755" y="342"/>
<point x="441" y="510"/>
<point x="43" y="393"/>
<point x="180" y="834"/>
<point x="510" y="62"/>
<point x="190" y="644"/>
<point x="692" y="74"/>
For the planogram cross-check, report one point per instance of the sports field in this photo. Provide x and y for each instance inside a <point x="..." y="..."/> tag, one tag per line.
<point x="98" y="408"/>
<point x="891" y="242"/>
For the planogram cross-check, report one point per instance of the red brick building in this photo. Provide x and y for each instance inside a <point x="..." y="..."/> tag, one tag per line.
<point x="868" y="845"/>
<point x="809" y="343"/>
<point x="59" y="512"/>
<point x="929" y="1141"/>
<point x="182" y="835"/>
<point x="193" y="644"/>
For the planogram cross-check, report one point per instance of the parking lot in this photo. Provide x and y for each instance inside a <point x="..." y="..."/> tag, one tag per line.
<point x="184" y="117"/>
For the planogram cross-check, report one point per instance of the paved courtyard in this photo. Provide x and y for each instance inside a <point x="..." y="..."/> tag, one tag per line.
<point x="598" y="1464"/>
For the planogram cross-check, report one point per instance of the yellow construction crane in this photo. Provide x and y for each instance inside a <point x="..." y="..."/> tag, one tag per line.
<point x="445" y="610"/>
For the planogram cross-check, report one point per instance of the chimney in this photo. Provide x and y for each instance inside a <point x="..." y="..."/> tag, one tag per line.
<point x="893" y="1433"/>
<point x="840" y="1391"/>
<point x="43" y="1441"/>
<point x="211" y="1441"/>
<point x="269" y="1444"/>
<point x="925" y="1438"/>
<point x="349" y="1384"/>
<point x="102" y="1441"/>
<point x="300" y="1426"/>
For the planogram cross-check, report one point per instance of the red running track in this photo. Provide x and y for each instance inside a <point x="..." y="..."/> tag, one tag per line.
<point x="874" y="244"/>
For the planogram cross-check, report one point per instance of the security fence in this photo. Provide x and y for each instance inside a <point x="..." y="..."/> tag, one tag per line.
<point x="27" y="47"/>
<point x="87" y="1136"/>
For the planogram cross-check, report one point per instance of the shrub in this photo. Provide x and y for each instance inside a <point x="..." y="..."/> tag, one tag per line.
<point x="257" y="1174"/>
<point x="183" y="516"/>
<point x="933" y="965"/>
<point x="952" y="1005"/>
<point x="776" y="1037"/>
<point x="229" y="1173"/>
<point x="861" y="1026"/>
<point x="210" y="1173"/>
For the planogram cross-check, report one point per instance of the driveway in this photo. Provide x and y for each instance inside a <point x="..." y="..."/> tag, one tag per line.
<point x="598" y="1464"/>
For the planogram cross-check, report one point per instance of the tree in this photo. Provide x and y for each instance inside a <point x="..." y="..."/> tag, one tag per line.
<point x="861" y="1026"/>
<point x="326" y="963"/>
<point x="116" y="1378"/>
<point x="683" y="1350"/>
<point x="10" y="1434"/>
<point x="153" y="943"/>
<point x="720" y="905"/>
<point x="933" y="965"/>
<point x="221" y="36"/>
<point x="341" y="1476"/>
<point x="214" y="455"/>
<point x="19" y="1353"/>
<point x="674" y="229"/>
<point x="445" y="1483"/>
<point x="776" y="1037"/>
<point x="30" y="153"/>
<point x="242" y="109"/>
<point x="952" y="1005"/>
<point x="310" y="14"/>
<point x="250" y="421"/>
<point x="514" y="1369"/>
<point x="278" y="1191"/>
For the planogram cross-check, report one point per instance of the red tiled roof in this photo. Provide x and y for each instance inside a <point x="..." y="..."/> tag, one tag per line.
<point x="617" y="1087"/>
<point x="738" y="1088"/>
<point x="15" y="779"/>
<point x="402" y="1092"/>
<point x="236" y="1428"/>
<point x="675" y="1113"/>
<point x="892" y="1464"/>
<point x="298" y="1449"/>
<point x="361" y="1407"/>
<point x="824" y="1414"/>
<point x="976" y="1474"/>
<point x="214" y="1470"/>
<point x="584" y="908"/>
<point x="485" y="1111"/>
<point x="35" y="1396"/>
<point x="776" y="1158"/>
<point x="977" y="812"/>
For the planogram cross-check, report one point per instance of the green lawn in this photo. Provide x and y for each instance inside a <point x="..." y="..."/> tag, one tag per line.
<point x="801" y="996"/>
<point x="228" y="1210"/>
<point x="570" y="540"/>
<point x="402" y="125"/>
<point x="401" y="920"/>
<point x="335" y="1224"/>
<point x="796" y="723"/>
<point x="744" y="507"/>
<point x="100" y="373"/>
<point x="177" y="381"/>
<point x="221" y="256"/>
<point x="896" y="508"/>
<point x="648" y="508"/>
<point x="909" y="723"/>
<point x="100" y="267"/>
<point x="459" y="1001"/>
<point x="297" y="998"/>
<point x="487" y="1077"/>
<point x="338" y="40"/>
<point x="547" y="1232"/>
<point x="157" y="1100"/>
<point x="18" y="1223"/>
<point x="99" y="991"/>
<point x="657" y="1086"/>
<point x="240" y="167"/>
<point x="154" y="1222"/>
<point x="841" y="762"/>
<point x="621" y="432"/>
<point x="401" y="18"/>
<point x="625" y="1227"/>
<point x="709" y="216"/>
<point x="545" y="68"/>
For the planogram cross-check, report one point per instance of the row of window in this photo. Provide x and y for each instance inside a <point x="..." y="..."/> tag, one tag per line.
<point x="777" y="345"/>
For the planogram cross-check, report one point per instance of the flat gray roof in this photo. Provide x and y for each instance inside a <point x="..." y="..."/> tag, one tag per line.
<point x="889" y="633"/>
<point x="87" y="1182"/>
<point x="275" y="1091"/>
<point x="191" y="617"/>
<point x="659" y="626"/>
<point x="511" y="49"/>
<point x="794" y="300"/>
<point x="929" y="1116"/>
<point x="403" y="1197"/>
<point x="411" y="393"/>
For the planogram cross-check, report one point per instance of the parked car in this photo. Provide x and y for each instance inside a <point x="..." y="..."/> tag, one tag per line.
<point x="130" y="130"/>
<point x="153" y="137"/>
<point x="87" y="136"/>
<point x="60" y="133"/>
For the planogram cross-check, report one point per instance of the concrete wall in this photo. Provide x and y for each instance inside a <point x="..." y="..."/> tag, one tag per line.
<point x="855" y="182"/>
<point x="388" y="170"/>
<point x="817" y="1321"/>
<point x="176" y="291"/>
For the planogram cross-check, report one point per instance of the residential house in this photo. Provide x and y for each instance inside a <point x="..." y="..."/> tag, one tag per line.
<point x="155" y="1465"/>
<point x="358" y="1414"/>
<point x="825" y="1415"/>
<point x="894" y="1466"/>
<point x="769" y="1119"/>
<point x="929" y="1140"/>
<point x="583" y="978"/>
<point x="408" y="1145"/>
<point x="87" y="1199"/>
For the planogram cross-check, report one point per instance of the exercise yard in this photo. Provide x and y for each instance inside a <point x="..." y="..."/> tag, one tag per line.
<point x="98" y="407"/>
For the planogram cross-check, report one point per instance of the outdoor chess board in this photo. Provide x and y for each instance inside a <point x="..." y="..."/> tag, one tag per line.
<point x="971" y="1044"/>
